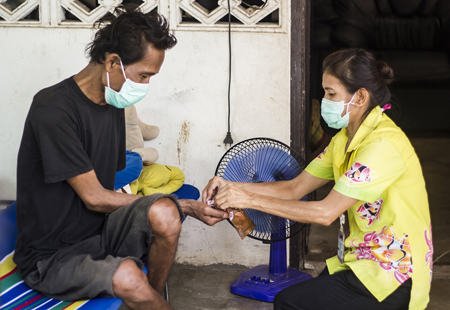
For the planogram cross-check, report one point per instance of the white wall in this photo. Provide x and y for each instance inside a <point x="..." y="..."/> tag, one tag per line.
<point x="187" y="100"/>
<point x="32" y="59"/>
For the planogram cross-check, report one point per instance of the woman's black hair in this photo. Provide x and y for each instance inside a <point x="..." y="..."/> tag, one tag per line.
<point x="128" y="34"/>
<point x="357" y="68"/>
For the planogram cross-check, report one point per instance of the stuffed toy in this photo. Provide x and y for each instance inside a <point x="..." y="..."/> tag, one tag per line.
<point x="136" y="133"/>
<point x="154" y="178"/>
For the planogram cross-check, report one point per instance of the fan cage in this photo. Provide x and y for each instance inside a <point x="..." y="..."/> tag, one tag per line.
<point x="260" y="160"/>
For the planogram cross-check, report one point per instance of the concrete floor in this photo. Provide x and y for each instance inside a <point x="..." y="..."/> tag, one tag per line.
<point x="208" y="287"/>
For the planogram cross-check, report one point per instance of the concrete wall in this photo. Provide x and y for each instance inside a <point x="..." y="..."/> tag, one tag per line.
<point x="187" y="100"/>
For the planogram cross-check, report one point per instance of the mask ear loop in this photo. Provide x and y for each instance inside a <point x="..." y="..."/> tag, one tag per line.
<point x="350" y="102"/>
<point x="123" y="70"/>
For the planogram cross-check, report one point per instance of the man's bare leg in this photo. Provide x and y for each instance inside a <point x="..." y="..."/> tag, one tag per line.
<point x="165" y="221"/>
<point x="131" y="285"/>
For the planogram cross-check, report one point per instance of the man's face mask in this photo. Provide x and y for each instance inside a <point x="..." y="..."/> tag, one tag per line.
<point x="130" y="93"/>
<point x="331" y="112"/>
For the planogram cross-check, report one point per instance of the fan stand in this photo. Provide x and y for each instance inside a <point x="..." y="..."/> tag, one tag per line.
<point x="263" y="282"/>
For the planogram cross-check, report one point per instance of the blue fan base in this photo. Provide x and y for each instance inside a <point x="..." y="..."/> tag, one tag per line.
<point x="258" y="283"/>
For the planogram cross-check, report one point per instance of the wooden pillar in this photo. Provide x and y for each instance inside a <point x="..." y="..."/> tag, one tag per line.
<point x="300" y="46"/>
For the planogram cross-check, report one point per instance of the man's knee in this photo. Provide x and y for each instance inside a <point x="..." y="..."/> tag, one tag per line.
<point x="164" y="218"/>
<point x="130" y="283"/>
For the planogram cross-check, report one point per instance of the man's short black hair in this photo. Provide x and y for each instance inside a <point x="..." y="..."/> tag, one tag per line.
<point x="128" y="34"/>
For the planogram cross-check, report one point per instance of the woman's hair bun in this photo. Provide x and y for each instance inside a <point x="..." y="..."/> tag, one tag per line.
<point x="386" y="72"/>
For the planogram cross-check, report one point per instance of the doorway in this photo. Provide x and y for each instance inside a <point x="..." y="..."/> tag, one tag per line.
<point x="420" y="92"/>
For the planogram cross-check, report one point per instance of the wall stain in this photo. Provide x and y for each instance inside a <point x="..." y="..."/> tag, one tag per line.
<point x="182" y="142"/>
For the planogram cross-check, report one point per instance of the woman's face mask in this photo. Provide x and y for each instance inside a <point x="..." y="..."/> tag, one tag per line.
<point x="130" y="93"/>
<point x="331" y="112"/>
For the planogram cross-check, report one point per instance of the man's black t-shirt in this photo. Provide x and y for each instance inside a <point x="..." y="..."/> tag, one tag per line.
<point x="65" y="135"/>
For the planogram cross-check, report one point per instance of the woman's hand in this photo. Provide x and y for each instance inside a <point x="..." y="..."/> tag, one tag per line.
<point x="233" y="196"/>
<point x="214" y="185"/>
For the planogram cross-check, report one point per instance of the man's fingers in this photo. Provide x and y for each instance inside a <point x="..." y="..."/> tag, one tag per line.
<point x="212" y="221"/>
<point x="216" y="213"/>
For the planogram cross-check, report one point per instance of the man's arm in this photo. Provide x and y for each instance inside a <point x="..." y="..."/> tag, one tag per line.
<point x="99" y="199"/>
<point x="95" y="196"/>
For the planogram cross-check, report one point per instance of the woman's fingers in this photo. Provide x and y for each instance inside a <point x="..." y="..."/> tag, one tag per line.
<point x="214" y="185"/>
<point x="231" y="196"/>
<point x="205" y="197"/>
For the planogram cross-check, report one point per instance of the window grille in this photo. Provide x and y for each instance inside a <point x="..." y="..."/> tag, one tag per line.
<point x="191" y="15"/>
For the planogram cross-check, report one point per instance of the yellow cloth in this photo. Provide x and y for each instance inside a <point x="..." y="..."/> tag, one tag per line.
<point x="390" y="230"/>
<point x="156" y="178"/>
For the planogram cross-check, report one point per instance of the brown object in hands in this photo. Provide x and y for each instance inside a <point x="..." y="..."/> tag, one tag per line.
<point x="241" y="221"/>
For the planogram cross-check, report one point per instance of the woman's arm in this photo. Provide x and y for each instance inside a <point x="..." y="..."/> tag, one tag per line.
<point x="294" y="189"/>
<point x="322" y="212"/>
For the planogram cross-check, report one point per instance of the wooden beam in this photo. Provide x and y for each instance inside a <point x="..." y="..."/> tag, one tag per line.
<point x="300" y="45"/>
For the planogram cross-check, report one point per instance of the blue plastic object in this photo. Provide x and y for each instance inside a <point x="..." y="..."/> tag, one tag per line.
<point x="187" y="191"/>
<point x="8" y="230"/>
<point x="131" y="172"/>
<point x="258" y="283"/>
<point x="263" y="282"/>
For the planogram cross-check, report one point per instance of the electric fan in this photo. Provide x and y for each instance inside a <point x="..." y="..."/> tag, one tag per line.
<point x="262" y="160"/>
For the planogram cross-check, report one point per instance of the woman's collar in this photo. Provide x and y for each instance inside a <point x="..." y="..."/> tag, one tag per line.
<point x="370" y="122"/>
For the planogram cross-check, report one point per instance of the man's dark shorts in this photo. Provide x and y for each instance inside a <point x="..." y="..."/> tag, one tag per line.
<point x="86" y="269"/>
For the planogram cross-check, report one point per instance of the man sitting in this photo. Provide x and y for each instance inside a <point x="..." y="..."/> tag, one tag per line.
<point x="78" y="238"/>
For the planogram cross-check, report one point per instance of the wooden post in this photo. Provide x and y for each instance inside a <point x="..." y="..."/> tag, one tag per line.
<point x="300" y="45"/>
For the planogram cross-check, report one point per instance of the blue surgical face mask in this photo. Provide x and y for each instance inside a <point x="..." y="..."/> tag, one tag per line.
<point x="130" y="93"/>
<point x="331" y="112"/>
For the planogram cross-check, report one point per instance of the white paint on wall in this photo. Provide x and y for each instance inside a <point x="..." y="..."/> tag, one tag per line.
<point x="187" y="100"/>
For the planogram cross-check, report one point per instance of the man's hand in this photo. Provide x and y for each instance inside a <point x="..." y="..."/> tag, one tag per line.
<point x="202" y="212"/>
<point x="214" y="185"/>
